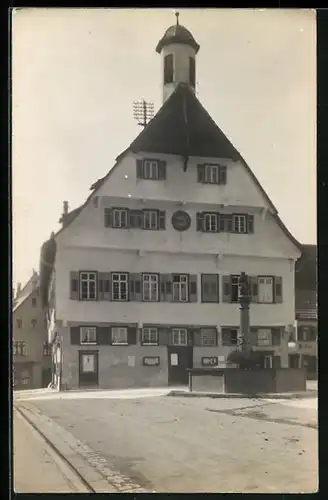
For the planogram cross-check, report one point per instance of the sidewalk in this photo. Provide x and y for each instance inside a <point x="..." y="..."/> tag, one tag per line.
<point x="36" y="467"/>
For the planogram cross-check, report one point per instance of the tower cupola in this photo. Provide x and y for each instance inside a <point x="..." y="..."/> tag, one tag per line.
<point x="178" y="48"/>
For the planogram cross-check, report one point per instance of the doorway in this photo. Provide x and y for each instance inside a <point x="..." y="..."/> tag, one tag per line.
<point x="180" y="358"/>
<point x="88" y="369"/>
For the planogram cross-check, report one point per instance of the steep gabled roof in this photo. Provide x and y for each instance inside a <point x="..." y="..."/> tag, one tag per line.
<point x="25" y="292"/>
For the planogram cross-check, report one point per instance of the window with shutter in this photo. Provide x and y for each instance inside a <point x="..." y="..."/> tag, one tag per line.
<point x="120" y="287"/>
<point x="239" y="222"/>
<point x="149" y="336"/>
<point x="210" y="287"/>
<point x="265" y="289"/>
<point x="150" y="219"/>
<point x="229" y="336"/>
<point x="150" y="288"/>
<point x="88" y="335"/>
<point x="119" y="336"/>
<point x="210" y="222"/>
<point x="88" y="285"/>
<point x="120" y="218"/>
<point x="180" y="287"/>
<point x="208" y="336"/>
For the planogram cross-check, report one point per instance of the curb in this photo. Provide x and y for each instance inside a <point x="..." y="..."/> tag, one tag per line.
<point x="218" y="395"/>
<point x="93" y="468"/>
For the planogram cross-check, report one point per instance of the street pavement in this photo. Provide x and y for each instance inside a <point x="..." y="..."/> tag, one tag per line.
<point x="36" y="468"/>
<point x="167" y="444"/>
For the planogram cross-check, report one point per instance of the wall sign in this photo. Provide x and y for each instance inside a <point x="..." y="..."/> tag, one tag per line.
<point x="181" y="220"/>
<point x="210" y="361"/>
<point x="174" y="359"/>
<point x="151" y="361"/>
<point x="88" y="363"/>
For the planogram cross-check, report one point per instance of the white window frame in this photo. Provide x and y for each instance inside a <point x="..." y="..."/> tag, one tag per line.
<point x="150" y="287"/>
<point x="88" y="335"/>
<point x="151" y="169"/>
<point x="119" y="279"/>
<point x="120" y="218"/>
<point x="150" y="219"/>
<point x="264" y="337"/>
<point x="149" y="336"/>
<point x="177" y="336"/>
<point x="210" y="223"/>
<point x="88" y="277"/>
<point x="240" y="222"/>
<point x="212" y="174"/>
<point x="208" y="334"/>
<point x="262" y="296"/>
<point x="120" y="330"/>
<point x="19" y="348"/>
<point x="180" y="289"/>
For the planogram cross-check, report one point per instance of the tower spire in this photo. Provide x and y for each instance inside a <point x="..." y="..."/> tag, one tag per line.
<point x="177" y="14"/>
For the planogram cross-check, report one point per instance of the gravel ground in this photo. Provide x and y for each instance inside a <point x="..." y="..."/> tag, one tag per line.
<point x="198" y="445"/>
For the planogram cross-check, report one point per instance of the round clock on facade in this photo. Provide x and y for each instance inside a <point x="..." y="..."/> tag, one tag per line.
<point x="181" y="220"/>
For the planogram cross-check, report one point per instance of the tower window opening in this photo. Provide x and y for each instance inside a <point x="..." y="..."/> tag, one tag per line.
<point x="168" y="68"/>
<point x="192" y="71"/>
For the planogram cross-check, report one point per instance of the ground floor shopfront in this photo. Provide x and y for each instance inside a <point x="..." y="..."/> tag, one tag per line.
<point x="123" y="356"/>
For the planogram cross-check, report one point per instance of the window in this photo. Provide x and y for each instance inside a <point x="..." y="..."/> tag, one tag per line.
<point x="33" y="302"/>
<point x="88" y="285"/>
<point x="234" y="288"/>
<point x="265" y="289"/>
<point x="210" y="223"/>
<point x="120" y="218"/>
<point x="306" y="333"/>
<point x="168" y="68"/>
<point x="150" y="219"/>
<point x="210" y="287"/>
<point x="192" y="71"/>
<point x="47" y="349"/>
<point x="212" y="174"/>
<point x="19" y="348"/>
<point x="150" y="287"/>
<point x="229" y="336"/>
<point x="179" y="336"/>
<point x="264" y="337"/>
<point x="149" y="336"/>
<point x="150" y="169"/>
<point x="180" y="287"/>
<point x="19" y="323"/>
<point x="208" y="336"/>
<point x="119" y="336"/>
<point x="88" y="335"/>
<point x="33" y="322"/>
<point x="120" y="286"/>
<point x="239" y="223"/>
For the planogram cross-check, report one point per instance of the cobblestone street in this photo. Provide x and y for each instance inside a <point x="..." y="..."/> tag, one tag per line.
<point x="198" y="445"/>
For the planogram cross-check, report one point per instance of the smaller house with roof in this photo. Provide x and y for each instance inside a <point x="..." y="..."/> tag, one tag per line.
<point x="30" y="349"/>
<point x="142" y="280"/>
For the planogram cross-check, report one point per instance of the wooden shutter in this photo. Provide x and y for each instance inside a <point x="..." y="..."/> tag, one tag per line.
<point x="135" y="287"/>
<point x="108" y="217"/>
<point x="162" y="170"/>
<point x="201" y="173"/>
<point x="75" y="335"/>
<point x="253" y="335"/>
<point x="104" y="336"/>
<point x="210" y="287"/>
<point x="278" y="289"/>
<point x="250" y="223"/>
<point x="254" y="288"/>
<point x="193" y="288"/>
<point x="276" y="336"/>
<point x="103" y="286"/>
<point x="74" y="285"/>
<point x="200" y="221"/>
<point x="161" y="219"/>
<point x="229" y="224"/>
<point x="197" y="339"/>
<point x="163" y="335"/>
<point x="226" y="289"/>
<point x="225" y="336"/>
<point x="139" y="167"/>
<point x="222" y="175"/>
<point x="132" y="335"/>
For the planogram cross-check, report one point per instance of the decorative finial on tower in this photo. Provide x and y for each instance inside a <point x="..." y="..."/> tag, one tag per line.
<point x="177" y="14"/>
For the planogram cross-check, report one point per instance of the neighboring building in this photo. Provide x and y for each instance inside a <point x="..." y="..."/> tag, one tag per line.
<point x="305" y="352"/>
<point x="141" y="282"/>
<point x="31" y="351"/>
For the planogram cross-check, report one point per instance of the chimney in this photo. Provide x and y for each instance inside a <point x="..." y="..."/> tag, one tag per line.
<point x="19" y="289"/>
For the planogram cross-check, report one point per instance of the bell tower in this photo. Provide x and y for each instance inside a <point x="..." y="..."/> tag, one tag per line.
<point x="178" y="48"/>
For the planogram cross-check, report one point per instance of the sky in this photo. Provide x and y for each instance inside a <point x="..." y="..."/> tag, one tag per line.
<point x="76" y="73"/>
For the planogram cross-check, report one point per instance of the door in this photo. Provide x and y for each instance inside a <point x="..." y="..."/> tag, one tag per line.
<point x="88" y="368"/>
<point x="180" y="357"/>
<point x="293" y="360"/>
<point x="267" y="362"/>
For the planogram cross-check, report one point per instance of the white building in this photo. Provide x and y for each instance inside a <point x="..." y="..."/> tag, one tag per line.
<point x="144" y="275"/>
